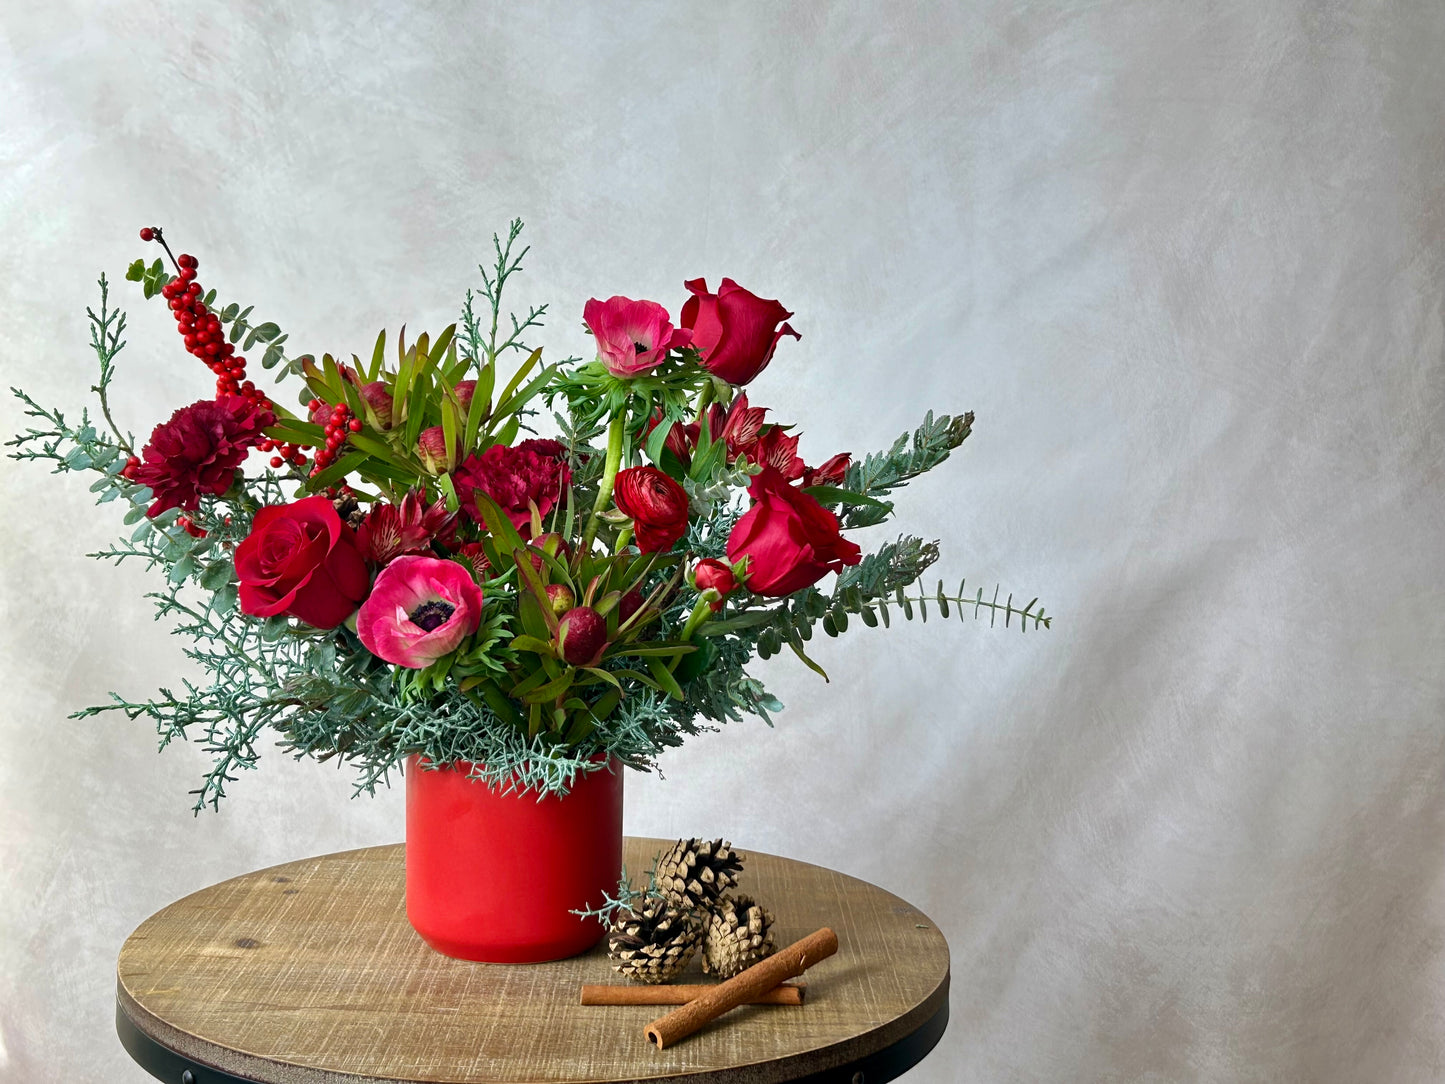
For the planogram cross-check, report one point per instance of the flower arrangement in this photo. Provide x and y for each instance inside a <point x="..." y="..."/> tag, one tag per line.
<point x="413" y="569"/>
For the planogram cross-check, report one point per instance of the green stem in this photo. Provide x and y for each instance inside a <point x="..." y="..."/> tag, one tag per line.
<point x="624" y="536"/>
<point x="704" y="397"/>
<point x="701" y="611"/>
<point x="615" y="434"/>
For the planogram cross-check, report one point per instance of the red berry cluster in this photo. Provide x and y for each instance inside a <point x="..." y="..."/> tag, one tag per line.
<point x="201" y="332"/>
<point x="288" y="453"/>
<point x="339" y="426"/>
<point x="204" y="338"/>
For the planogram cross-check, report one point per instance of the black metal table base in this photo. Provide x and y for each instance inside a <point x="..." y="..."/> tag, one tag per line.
<point x="163" y="1063"/>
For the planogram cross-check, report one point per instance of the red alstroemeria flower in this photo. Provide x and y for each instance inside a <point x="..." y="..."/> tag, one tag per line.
<point x="832" y="473"/>
<point x="632" y="336"/>
<point x="390" y="530"/>
<point x="778" y="450"/>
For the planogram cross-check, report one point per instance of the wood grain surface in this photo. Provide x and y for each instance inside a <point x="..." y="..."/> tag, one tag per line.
<point x="308" y="973"/>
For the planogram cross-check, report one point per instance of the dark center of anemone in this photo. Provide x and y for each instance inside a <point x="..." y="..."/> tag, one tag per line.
<point x="432" y="614"/>
<point x="641" y="348"/>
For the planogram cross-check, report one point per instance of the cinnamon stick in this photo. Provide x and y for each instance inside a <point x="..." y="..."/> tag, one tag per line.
<point x="764" y="975"/>
<point x="787" y="994"/>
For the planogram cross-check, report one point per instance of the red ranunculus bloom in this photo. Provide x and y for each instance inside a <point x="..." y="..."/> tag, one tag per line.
<point x="198" y="451"/>
<point x="657" y="505"/>
<point x="734" y="329"/>
<point x="533" y="471"/>
<point x="832" y="473"/>
<point x="788" y="539"/>
<point x="301" y="560"/>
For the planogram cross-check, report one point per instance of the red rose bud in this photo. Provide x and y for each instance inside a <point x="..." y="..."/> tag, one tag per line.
<point x="657" y="505"/>
<point x="832" y="473"/>
<point x="581" y="636"/>
<point x="379" y="399"/>
<point x="789" y="539"/>
<point x="561" y="598"/>
<point x="712" y="575"/>
<point x="431" y="446"/>
<point x="734" y="330"/>
<point x="465" y="389"/>
<point x="628" y="605"/>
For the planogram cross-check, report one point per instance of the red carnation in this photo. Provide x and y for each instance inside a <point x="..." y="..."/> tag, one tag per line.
<point x="657" y="505"/>
<point x="198" y="451"/>
<point x="532" y="473"/>
<point x="789" y="540"/>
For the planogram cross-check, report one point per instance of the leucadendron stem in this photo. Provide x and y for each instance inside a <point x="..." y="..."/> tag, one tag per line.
<point x="615" y="434"/>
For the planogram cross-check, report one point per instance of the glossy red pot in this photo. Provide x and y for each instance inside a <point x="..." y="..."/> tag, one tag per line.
<point x="495" y="876"/>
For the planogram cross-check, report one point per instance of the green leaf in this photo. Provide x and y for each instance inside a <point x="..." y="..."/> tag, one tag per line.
<point x="136" y="271"/>
<point x="217" y="574"/>
<point x="797" y="647"/>
<point x="663" y="676"/>
<point x="834" y="495"/>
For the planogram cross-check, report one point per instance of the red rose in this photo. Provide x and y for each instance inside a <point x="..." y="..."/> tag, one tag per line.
<point x="301" y="560"/>
<point x="734" y="330"/>
<point x="516" y="478"/>
<point x="788" y="539"/>
<point x="657" y="505"/>
<point x="198" y="451"/>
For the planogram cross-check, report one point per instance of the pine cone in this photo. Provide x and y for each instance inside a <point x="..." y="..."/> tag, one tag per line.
<point x="654" y="942"/>
<point x="694" y="873"/>
<point x="739" y="934"/>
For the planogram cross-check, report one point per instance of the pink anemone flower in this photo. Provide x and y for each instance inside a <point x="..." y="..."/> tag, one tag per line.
<point x="632" y="336"/>
<point x="419" y="609"/>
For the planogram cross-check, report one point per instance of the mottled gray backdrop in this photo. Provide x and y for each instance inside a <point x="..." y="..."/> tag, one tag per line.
<point x="1184" y="260"/>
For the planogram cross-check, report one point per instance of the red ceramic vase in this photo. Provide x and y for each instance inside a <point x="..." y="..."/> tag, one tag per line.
<point x="494" y="877"/>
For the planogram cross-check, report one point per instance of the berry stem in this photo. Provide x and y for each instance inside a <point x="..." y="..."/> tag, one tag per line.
<point x="160" y="237"/>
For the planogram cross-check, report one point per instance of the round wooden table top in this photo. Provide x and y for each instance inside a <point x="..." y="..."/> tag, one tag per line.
<point x="308" y="973"/>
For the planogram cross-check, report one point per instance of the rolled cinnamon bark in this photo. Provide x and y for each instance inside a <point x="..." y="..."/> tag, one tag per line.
<point x="764" y="975"/>
<point x="786" y="994"/>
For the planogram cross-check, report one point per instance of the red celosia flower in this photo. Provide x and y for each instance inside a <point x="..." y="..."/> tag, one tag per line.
<point x="515" y="478"/>
<point x="390" y="530"/>
<point x="198" y="451"/>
